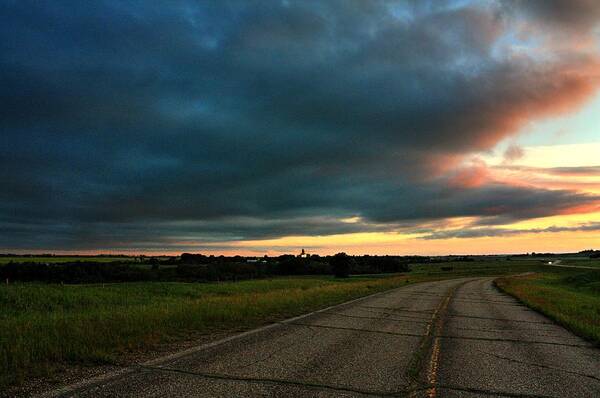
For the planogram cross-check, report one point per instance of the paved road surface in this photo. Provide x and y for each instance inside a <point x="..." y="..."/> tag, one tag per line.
<point x="458" y="338"/>
<point x="575" y="266"/>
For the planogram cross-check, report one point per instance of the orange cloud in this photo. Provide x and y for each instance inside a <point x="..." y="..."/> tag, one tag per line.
<point x="584" y="179"/>
<point x="581" y="209"/>
<point x="474" y="175"/>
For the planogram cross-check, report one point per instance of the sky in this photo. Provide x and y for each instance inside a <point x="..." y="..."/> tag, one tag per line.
<point x="263" y="127"/>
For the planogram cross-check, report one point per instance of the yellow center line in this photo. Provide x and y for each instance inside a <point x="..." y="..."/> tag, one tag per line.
<point x="434" y="359"/>
<point x="433" y="329"/>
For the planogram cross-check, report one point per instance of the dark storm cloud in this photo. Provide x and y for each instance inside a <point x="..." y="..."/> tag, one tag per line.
<point x="489" y="201"/>
<point x="576" y="171"/>
<point x="182" y="234"/>
<point x="573" y="14"/>
<point x="496" y="232"/>
<point x="122" y="121"/>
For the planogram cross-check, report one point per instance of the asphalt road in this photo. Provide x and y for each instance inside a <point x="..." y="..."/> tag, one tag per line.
<point x="457" y="338"/>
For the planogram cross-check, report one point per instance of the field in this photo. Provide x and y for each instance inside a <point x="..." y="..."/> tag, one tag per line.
<point x="570" y="297"/>
<point x="46" y="326"/>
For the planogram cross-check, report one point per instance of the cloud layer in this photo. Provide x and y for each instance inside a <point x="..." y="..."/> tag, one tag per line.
<point x="497" y="232"/>
<point x="137" y="124"/>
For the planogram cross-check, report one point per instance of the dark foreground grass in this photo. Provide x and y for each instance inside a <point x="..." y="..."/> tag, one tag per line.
<point x="44" y="327"/>
<point x="570" y="298"/>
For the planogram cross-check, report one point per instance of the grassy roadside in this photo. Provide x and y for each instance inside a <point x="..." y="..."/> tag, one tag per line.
<point x="571" y="298"/>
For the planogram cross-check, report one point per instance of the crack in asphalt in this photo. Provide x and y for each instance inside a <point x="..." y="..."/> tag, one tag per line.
<point x="471" y="300"/>
<point x="505" y="303"/>
<point x="427" y="311"/>
<point x="356" y="329"/>
<point x="218" y="376"/>
<point x="321" y="386"/>
<point x="540" y="365"/>
<point x="398" y="393"/>
<point x="413" y="320"/>
<point x="515" y="341"/>
<point x="456" y="315"/>
<point x="491" y="330"/>
<point x="421" y="318"/>
<point x="277" y="351"/>
<point x="490" y="392"/>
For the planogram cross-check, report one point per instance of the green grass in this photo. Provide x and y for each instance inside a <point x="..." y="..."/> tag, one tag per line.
<point x="61" y="259"/>
<point x="571" y="298"/>
<point x="46" y="326"/>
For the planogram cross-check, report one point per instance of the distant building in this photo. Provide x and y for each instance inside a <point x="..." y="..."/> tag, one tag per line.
<point x="303" y="254"/>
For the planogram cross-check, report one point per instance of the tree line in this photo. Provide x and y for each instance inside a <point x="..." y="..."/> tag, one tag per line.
<point x="198" y="268"/>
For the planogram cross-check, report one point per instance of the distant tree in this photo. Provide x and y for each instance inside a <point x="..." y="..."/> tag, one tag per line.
<point x="154" y="262"/>
<point x="188" y="258"/>
<point x="391" y="264"/>
<point x="340" y="265"/>
<point x="292" y="265"/>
